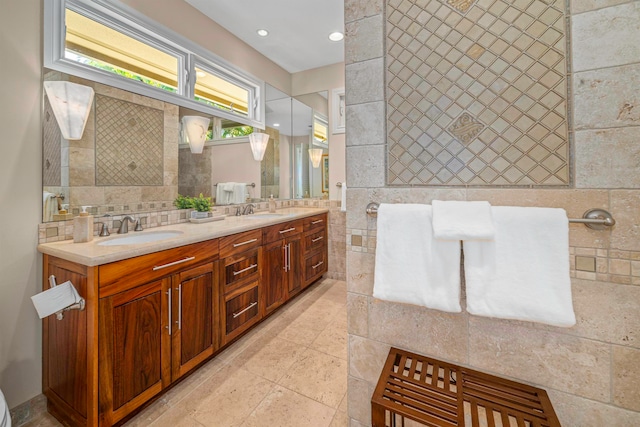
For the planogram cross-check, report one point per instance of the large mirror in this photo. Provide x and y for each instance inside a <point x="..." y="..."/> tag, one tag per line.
<point x="132" y="156"/>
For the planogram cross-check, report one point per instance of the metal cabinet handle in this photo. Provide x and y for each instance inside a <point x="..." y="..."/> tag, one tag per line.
<point x="318" y="265"/>
<point x="180" y="261"/>
<point x="169" y="297"/>
<point x="179" y="322"/>
<point x="249" y="307"/>
<point x="289" y="257"/>
<point x="235" y="245"/>
<point x="235" y="273"/>
<point x="317" y="239"/>
<point x="317" y="221"/>
<point x="287" y="230"/>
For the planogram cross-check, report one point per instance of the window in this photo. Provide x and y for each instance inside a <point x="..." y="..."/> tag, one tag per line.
<point x="112" y="44"/>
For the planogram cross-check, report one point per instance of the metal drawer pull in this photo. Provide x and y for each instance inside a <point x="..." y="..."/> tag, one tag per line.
<point x="317" y="240"/>
<point x="235" y="245"/>
<point x="160" y="267"/>
<point x="317" y="221"/>
<point x="318" y="265"/>
<point x="169" y="325"/>
<point x="287" y="230"/>
<point x="179" y="322"/>
<point x="235" y="273"/>
<point x="249" y="307"/>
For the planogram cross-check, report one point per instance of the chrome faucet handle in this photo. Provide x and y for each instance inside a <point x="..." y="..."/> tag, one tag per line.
<point x="124" y="224"/>
<point x="248" y="209"/>
<point x="138" y="226"/>
<point x="238" y="212"/>
<point x="104" y="230"/>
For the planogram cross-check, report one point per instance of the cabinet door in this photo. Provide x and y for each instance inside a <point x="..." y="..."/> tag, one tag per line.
<point x="274" y="281"/>
<point x="193" y="313"/>
<point x="135" y="349"/>
<point x="295" y="265"/>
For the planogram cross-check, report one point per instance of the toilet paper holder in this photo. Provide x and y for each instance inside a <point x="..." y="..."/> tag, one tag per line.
<point x="77" y="306"/>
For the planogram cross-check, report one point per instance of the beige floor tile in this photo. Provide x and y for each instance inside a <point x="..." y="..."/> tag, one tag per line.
<point x="175" y="417"/>
<point x="226" y="401"/>
<point x="333" y="339"/>
<point x="269" y="358"/>
<point x="319" y="376"/>
<point x="343" y="404"/>
<point x="285" y="408"/>
<point x="340" y="419"/>
<point x="44" y="420"/>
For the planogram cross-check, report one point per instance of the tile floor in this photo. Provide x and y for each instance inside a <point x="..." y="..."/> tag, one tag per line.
<point x="291" y="370"/>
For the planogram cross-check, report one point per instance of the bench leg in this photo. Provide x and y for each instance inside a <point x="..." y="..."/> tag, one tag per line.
<point x="377" y="416"/>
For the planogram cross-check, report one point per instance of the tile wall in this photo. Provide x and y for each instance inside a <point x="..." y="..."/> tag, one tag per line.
<point x="591" y="369"/>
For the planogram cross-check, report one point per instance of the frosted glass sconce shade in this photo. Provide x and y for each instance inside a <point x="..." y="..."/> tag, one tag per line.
<point x="71" y="104"/>
<point x="315" y="154"/>
<point x="195" y="128"/>
<point x="258" y="143"/>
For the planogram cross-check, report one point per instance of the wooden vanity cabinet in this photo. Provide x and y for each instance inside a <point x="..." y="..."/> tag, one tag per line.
<point x="315" y="248"/>
<point x="282" y="276"/>
<point x="240" y="273"/>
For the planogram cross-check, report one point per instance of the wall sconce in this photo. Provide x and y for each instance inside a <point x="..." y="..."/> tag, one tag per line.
<point x="258" y="143"/>
<point x="194" y="131"/>
<point x="71" y="104"/>
<point x="315" y="154"/>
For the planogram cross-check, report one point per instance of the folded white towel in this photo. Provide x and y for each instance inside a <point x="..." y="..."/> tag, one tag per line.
<point x="523" y="273"/>
<point x="411" y="266"/>
<point x="458" y="220"/>
<point x="227" y="186"/>
<point x="343" y="198"/>
<point x="239" y="193"/>
<point x="49" y="206"/>
<point x="222" y="196"/>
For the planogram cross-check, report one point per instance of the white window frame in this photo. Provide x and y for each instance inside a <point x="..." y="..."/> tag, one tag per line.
<point x="132" y="23"/>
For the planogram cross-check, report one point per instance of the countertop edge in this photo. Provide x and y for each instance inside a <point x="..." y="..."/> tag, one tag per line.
<point x="91" y="254"/>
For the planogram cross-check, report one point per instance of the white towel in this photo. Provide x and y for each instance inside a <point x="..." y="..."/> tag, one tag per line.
<point x="459" y="220"/>
<point x="239" y="193"/>
<point x="411" y="266"/>
<point x="227" y="186"/>
<point x="222" y="196"/>
<point x="49" y="206"/>
<point x="523" y="273"/>
<point x="343" y="198"/>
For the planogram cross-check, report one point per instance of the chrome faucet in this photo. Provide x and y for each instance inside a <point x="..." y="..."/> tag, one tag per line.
<point x="104" y="229"/>
<point x="248" y="209"/>
<point x="124" y="224"/>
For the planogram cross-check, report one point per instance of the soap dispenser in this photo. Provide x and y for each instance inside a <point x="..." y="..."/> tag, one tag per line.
<point x="83" y="226"/>
<point x="272" y="204"/>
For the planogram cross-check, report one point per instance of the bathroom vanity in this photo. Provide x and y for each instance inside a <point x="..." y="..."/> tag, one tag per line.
<point x="155" y="311"/>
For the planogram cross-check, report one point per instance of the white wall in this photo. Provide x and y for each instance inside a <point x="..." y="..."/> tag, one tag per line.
<point x="21" y="198"/>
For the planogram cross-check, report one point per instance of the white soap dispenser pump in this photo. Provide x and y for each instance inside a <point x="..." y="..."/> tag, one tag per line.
<point x="83" y="226"/>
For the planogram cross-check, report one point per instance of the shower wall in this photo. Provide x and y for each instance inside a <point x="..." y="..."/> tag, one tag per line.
<point x="589" y="370"/>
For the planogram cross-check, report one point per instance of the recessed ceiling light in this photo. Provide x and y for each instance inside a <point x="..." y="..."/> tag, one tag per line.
<point x="276" y="124"/>
<point x="336" y="37"/>
<point x="262" y="32"/>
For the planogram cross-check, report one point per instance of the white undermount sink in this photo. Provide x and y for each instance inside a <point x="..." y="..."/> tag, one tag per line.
<point x="143" y="237"/>
<point x="264" y="216"/>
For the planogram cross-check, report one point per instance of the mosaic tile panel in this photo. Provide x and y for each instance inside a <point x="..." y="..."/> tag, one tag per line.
<point x="477" y="93"/>
<point x="129" y="143"/>
<point x="51" y="150"/>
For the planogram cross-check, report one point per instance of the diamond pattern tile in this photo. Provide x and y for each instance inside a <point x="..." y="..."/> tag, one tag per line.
<point x="129" y="143"/>
<point x="477" y="92"/>
<point x="51" y="150"/>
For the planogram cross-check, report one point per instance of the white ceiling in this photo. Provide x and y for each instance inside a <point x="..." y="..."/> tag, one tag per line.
<point x="298" y="29"/>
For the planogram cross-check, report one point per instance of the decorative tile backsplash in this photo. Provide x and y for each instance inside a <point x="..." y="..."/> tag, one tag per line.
<point x="129" y="143"/>
<point x="476" y="93"/>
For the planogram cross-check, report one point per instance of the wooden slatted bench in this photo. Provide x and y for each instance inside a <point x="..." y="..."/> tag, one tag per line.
<point x="435" y="393"/>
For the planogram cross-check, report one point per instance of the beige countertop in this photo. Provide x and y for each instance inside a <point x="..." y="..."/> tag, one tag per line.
<point x="92" y="254"/>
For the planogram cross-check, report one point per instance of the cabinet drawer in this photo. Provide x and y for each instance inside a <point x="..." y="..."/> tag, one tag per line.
<point x="241" y="310"/>
<point x="314" y="241"/>
<point x="241" y="268"/>
<point x="316" y="221"/>
<point x="281" y="231"/>
<point x="241" y="242"/>
<point x="128" y="273"/>
<point x="314" y="266"/>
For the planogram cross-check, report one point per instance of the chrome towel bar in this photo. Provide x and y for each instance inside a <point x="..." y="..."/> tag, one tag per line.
<point x="596" y="219"/>
<point x="253" y="184"/>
